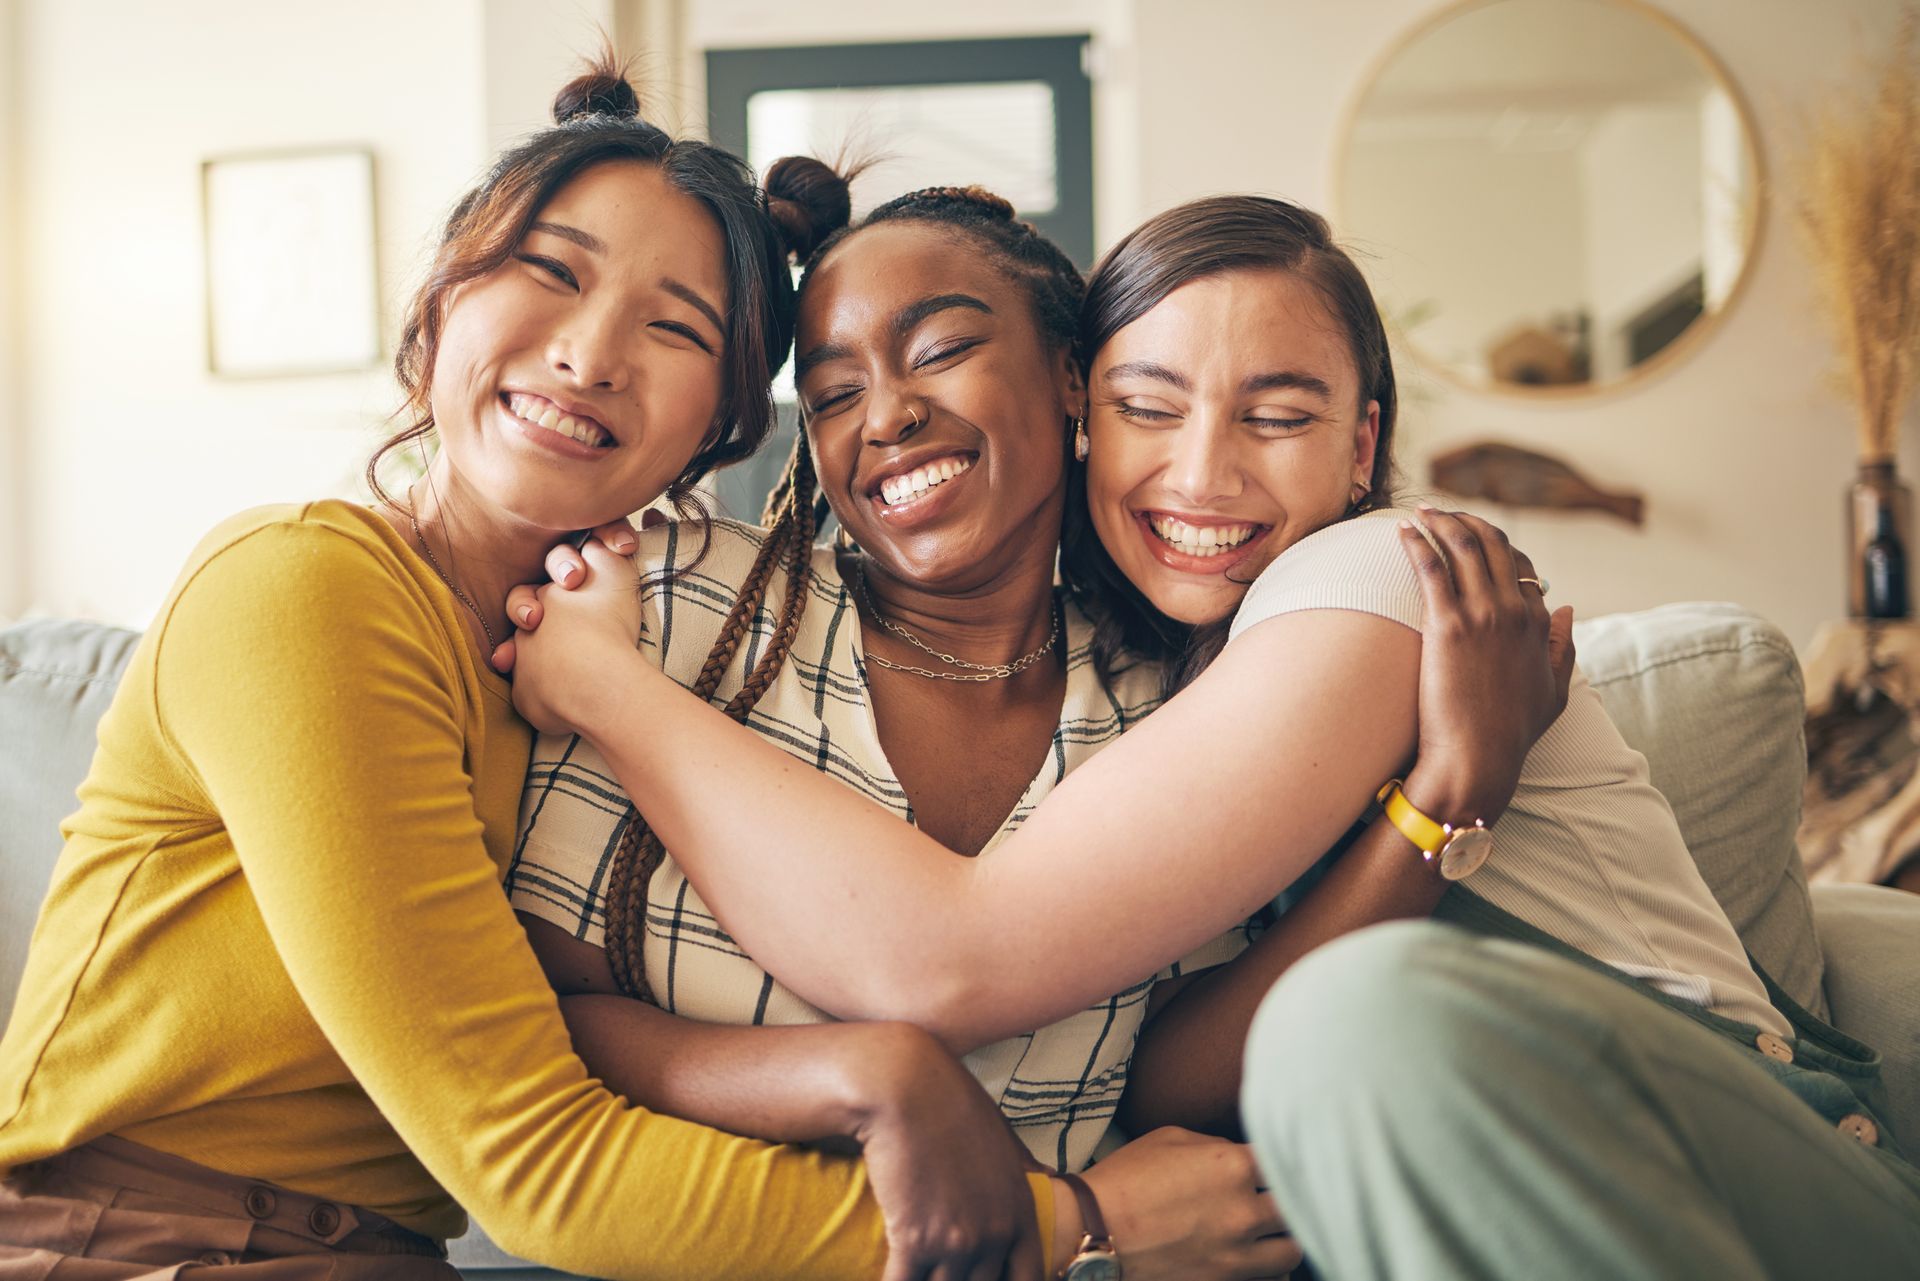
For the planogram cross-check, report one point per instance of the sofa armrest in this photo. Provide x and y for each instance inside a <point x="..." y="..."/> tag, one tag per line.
<point x="1871" y="937"/>
<point x="56" y="679"/>
<point x="1712" y="696"/>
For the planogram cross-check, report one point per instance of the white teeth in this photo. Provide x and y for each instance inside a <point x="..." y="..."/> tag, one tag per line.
<point x="538" y="412"/>
<point x="1203" y="540"/>
<point x="898" y="489"/>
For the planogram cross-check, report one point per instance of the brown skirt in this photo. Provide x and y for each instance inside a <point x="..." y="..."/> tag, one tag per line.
<point x="112" y="1210"/>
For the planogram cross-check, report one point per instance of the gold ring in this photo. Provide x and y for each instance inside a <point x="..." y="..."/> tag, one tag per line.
<point x="1541" y="583"/>
<point x="916" y="417"/>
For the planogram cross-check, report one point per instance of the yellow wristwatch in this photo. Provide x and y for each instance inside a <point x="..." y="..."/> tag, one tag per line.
<point x="1459" y="851"/>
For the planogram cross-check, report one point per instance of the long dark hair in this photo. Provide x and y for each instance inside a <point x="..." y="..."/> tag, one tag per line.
<point x="793" y="514"/>
<point x="1192" y="242"/>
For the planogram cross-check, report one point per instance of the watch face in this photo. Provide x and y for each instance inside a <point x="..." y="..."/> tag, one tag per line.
<point x="1094" y="1267"/>
<point x="1462" y="856"/>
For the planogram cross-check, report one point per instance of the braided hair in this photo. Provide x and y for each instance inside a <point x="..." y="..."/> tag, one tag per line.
<point x="793" y="515"/>
<point x="810" y="205"/>
<point x="808" y="202"/>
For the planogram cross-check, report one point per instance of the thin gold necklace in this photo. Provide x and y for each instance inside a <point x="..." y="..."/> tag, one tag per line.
<point x="974" y="671"/>
<point x="452" y="586"/>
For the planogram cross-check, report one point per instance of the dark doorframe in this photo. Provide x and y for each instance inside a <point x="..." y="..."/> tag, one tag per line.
<point x="735" y="75"/>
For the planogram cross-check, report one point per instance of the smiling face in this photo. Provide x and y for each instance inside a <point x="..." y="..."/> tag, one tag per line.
<point x="935" y="409"/>
<point x="1226" y="425"/>
<point x="575" y="381"/>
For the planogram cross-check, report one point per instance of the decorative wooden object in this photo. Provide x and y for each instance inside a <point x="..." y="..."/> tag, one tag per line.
<point x="1515" y="477"/>
<point x="1860" y="818"/>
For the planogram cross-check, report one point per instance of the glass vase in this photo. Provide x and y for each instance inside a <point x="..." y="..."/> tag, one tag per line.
<point x="1879" y="529"/>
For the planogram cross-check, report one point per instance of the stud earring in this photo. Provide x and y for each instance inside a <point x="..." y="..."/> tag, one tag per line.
<point x="1081" y="445"/>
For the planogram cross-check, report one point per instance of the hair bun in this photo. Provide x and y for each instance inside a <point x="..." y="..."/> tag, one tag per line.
<point x="808" y="201"/>
<point x="601" y="90"/>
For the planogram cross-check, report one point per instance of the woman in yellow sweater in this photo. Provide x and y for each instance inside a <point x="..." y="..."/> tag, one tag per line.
<point x="277" y="1012"/>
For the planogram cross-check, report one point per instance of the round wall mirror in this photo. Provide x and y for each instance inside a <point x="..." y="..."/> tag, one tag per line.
<point x="1557" y="195"/>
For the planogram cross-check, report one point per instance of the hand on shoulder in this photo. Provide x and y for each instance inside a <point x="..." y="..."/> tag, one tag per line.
<point x="1495" y="665"/>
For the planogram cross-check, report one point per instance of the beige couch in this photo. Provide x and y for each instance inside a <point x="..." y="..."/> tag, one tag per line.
<point x="1710" y="693"/>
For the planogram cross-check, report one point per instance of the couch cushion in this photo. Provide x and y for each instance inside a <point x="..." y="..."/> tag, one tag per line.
<point x="1712" y="696"/>
<point x="1871" y="942"/>
<point x="56" y="679"/>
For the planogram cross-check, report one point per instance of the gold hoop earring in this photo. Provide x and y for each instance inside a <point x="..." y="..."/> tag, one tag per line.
<point x="1082" y="446"/>
<point x="1361" y="492"/>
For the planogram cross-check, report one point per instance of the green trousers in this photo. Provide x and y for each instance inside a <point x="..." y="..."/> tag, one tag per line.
<point x="1429" y="1102"/>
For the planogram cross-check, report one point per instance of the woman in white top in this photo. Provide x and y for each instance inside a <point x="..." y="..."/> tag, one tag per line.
<point x="1591" y="1079"/>
<point x="831" y="654"/>
<point x="1240" y="391"/>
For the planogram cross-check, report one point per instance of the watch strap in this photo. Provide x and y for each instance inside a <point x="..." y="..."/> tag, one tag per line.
<point x="1093" y="1223"/>
<point x="1428" y="836"/>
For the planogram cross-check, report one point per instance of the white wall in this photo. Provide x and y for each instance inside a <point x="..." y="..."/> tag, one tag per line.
<point x="137" y="450"/>
<point x="13" y="442"/>
<point x="529" y="48"/>
<point x="1742" y="449"/>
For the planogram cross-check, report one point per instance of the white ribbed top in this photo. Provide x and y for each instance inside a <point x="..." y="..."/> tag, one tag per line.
<point x="1588" y="850"/>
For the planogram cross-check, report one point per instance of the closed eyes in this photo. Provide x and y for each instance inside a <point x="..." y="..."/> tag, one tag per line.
<point x="685" y="331"/>
<point x="946" y="351"/>
<point x="560" y="272"/>
<point x="1155" y="417"/>
<point x="552" y="266"/>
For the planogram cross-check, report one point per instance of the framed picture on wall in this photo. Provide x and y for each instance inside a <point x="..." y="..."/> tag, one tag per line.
<point x="292" y="282"/>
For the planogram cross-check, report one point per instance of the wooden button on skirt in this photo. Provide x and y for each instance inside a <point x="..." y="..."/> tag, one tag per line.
<point x="112" y="1210"/>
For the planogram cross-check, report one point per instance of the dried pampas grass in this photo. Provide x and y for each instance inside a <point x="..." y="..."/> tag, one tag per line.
<point x="1859" y="212"/>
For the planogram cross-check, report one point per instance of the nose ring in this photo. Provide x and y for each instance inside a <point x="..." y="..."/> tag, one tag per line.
<point x="916" y="417"/>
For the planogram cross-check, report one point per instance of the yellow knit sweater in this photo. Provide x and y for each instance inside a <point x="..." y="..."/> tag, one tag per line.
<point x="276" y="942"/>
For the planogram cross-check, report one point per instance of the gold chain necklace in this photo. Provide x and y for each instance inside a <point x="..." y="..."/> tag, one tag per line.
<point x="452" y="586"/>
<point x="974" y="671"/>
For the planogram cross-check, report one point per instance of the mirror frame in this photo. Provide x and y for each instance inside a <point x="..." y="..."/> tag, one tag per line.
<point x="1695" y="334"/>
